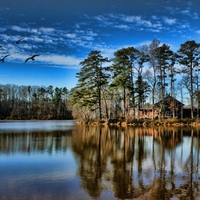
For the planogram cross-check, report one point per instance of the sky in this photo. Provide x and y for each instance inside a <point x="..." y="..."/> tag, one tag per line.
<point x="64" y="32"/>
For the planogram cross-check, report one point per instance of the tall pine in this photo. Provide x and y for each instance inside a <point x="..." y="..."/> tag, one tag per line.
<point x="189" y="56"/>
<point x="91" y="79"/>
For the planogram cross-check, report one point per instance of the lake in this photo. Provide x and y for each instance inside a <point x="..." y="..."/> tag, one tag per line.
<point x="62" y="160"/>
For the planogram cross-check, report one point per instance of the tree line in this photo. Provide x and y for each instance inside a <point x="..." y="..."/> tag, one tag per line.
<point x="34" y="102"/>
<point x="112" y="88"/>
<point x="136" y="77"/>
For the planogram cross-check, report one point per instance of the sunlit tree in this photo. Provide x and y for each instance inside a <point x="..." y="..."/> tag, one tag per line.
<point x="91" y="79"/>
<point x="165" y="59"/>
<point x="189" y="56"/>
<point x="151" y="74"/>
<point x="123" y="75"/>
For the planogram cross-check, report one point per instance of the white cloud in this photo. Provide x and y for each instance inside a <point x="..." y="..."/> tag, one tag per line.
<point x="101" y="18"/>
<point x="128" y="22"/>
<point x="21" y="29"/>
<point x="187" y="12"/>
<point x="2" y="29"/>
<point x="71" y="35"/>
<point x="63" y="60"/>
<point x="195" y="15"/>
<point x="108" y="51"/>
<point x="56" y="60"/>
<point x="154" y="17"/>
<point x="89" y="38"/>
<point x="132" y="18"/>
<point x="46" y="29"/>
<point x="91" y="33"/>
<point x="17" y="28"/>
<point x="122" y="26"/>
<point x="170" y="21"/>
<point x="154" y="30"/>
<point x="184" y="26"/>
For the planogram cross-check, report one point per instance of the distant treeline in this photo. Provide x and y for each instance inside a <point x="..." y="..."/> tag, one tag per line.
<point x="34" y="102"/>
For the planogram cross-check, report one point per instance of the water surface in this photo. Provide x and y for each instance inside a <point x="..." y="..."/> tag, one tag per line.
<point x="61" y="160"/>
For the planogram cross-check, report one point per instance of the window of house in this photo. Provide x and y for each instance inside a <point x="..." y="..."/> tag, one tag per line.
<point x="144" y="112"/>
<point x="168" y="113"/>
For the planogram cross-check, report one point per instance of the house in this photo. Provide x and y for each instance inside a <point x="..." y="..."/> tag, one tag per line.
<point x="145" y="113"/>
<point x="166" y="108"/>
<point x="187" y="111"/>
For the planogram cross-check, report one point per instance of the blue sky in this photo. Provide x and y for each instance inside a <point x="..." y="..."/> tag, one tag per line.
<point x="64" y="32"/>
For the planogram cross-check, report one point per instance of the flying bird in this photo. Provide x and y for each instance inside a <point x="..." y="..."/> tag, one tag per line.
<point x="18" y="41"/>
<point x="2" y="48"/>
<point x="2" y="60"/>
<point x="31" y="58"/>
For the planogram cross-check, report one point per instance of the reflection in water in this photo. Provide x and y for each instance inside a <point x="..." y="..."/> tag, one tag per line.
<point x="159" y="163"/>
<point x="50" y="142"/>
<point x="109" y="163"/>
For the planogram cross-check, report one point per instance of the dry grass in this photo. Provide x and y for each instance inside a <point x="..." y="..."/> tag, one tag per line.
<point x="144" y="122"/>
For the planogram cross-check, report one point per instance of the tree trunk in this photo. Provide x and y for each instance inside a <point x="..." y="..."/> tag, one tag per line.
<point x="99" y="99"/>
<point x="124" y="99"/>
<point x="191" y="94"/>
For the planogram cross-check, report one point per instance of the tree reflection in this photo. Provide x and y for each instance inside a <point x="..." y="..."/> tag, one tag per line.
<point x="142" y="163"/>
<point x="135" y="162"/>
<point x="88" y="148"/>
<point x="36" y="141"/>
<point x="123" y="165"/>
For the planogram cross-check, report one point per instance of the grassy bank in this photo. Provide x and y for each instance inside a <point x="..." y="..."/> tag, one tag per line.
<point x="143" y="122"/>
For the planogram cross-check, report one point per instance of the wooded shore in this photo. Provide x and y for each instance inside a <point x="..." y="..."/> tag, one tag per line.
<point x="143" y="122"/>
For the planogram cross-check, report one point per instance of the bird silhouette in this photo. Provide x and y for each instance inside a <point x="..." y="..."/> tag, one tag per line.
<point x="2" y="60"/>
<point x="2" y="48"/>
<point x="18" y="41"/>
<point x="31" y="58"/>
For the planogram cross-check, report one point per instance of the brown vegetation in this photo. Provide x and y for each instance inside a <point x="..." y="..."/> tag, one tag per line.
<point x="143" y="122"/>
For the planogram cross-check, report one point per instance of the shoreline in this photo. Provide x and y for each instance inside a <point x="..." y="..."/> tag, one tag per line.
<point x="143" y="122"/>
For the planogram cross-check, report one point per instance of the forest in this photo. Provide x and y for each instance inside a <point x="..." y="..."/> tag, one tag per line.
<point x="34" y="102"/>
<point x="113" y="88"/>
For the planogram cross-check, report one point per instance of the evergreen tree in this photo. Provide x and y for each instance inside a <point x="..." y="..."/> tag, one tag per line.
<point x="189" y="56"/>
<point x="91" y="79"/>
<point x="123" y="71"/>
<point x="165" y="59"/>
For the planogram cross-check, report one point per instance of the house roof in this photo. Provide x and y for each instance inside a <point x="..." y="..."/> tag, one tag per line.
<point x="168" y="99"/>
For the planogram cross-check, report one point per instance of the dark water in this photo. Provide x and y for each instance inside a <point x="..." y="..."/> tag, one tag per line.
<point x="61" y="160"/>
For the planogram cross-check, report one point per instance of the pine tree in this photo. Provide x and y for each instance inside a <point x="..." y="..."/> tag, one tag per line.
<point x="91" y="79"/>
<point x="189" y="56"/>
<point x="123" y="71"/>
<point x="165" y="58"/>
